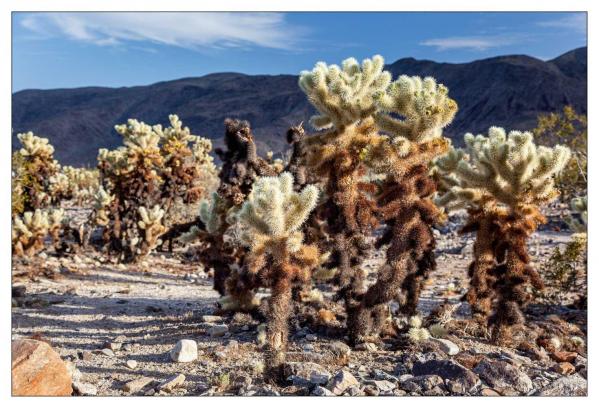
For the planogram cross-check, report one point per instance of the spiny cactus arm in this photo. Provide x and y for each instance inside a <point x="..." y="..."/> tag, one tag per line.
<point x="138" y="135"/>
<point x="275" y="210"/>
<point x="344" y="95"/>
<point x="423" y="104"/>
<point x="34" y="145"/>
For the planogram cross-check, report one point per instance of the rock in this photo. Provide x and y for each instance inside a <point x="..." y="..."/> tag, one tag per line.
<point x="514" y="359"/>
<point x="340" y="350"/>
<point x="136" y="385"/>
<point x="322" y="392"/>
<point x="37" y="370"/>
<point x="306" y="373"/>
<point x="410" y="386"/>
<point x="171" y="383"/>
<point x="450" y="371"/>
<point x="384" y="385"/>
<point x="218" y="330"/>
<point x="184" y="351"/>
<point x="435" y="391"/>
<point x="107" y="352"/>
<point x="341" y="382"/>
<point x="489" y="392"/>
<point x="379" y="374"/>
<point x="428" y="382"/>
<point x="111" y="345"/>
<point x="132" y="364"/>
<point x="211" y="319"/>
<point x="449" y="347"/>
<point x="564" y="368"/>
<point x="354" y="391"/>
<point x="84" y="389"/>
<point x="502" y="375"/>
<point x="367" y="347"/>
<point x="573" y="385"/>
<point x="564" y="356"/>
<point x="371" y="390"/>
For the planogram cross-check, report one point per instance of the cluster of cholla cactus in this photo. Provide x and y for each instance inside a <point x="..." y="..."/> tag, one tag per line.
<point x="34" y="170"/>
<point x="31" y="230"/>
<point x="377" y="174"/>
<point x="76" y="183"/>
<point x="142" y="179"/>
<point x="270" y="221"/>
<point x="373" y="126"/>
<point x="241" y="166"/>
<point x="502" y="180"/>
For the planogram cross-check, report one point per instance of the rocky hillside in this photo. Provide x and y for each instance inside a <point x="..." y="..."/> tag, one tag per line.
<point x="507" y="91"/>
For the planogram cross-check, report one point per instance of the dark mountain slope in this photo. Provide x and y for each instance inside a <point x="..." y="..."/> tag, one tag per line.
<point x="507" y="91"/>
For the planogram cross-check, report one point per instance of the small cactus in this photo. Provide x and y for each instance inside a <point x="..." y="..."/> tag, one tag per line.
<point x="271" y="219"/>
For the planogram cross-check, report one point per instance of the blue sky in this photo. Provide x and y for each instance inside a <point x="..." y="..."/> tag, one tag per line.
<point x="58" y="50"/>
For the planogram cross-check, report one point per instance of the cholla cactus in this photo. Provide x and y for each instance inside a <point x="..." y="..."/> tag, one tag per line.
<point x="156" y="167"/>
<point x="345" y="99"/>
<point x="579" y="205"/>
<point x="30" y="231"/>
<point x="271" y="218"/>
<point x="82" y="183"/>
<point x="404" y="200"/>
<point x="344" y="95"/>
<point x="151" y="223"/>
<point x="241" y="166"/>
<point x="34" y="174"/>
<point x="417" y="333"/>
<point x="502" y="180"/>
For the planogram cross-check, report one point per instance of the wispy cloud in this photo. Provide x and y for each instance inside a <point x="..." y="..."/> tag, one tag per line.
<point x="188" y="30"/>
<point x="477" y="43"/>
<point x="575" y="22"/>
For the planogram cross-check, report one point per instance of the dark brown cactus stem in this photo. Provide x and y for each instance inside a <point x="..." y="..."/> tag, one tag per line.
<point x="480" y="292"/>
<point x="513" y="277"/>
<point x="280" y="306"/>
<point x="410" y="256"/>
<point x="296" y="165"/>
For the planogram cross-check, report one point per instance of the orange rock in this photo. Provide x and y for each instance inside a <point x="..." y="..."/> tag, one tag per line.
<point x="326" y="316"/>
<point x="564" y="368"/>
<point x="564" y="356"/>
<point x="37" y="370"/>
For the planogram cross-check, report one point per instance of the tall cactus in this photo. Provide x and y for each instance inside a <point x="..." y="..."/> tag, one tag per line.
<point x="344" y="97"/>
<point x="404" y="200"/>
<point x="271" y="219"/>
<point x="501" y="180"/>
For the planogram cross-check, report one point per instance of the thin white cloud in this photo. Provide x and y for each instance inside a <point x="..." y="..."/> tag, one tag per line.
<point x="477" y="43"/>
<point x="575" y="22"/>
<point x="192" y="30"/>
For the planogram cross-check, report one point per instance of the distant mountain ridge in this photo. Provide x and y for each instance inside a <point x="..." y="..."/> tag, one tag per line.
<point x="508" y="91"/>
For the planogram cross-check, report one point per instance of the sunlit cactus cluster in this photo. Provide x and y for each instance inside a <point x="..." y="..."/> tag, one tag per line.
<point x="377" y="174"/>
<point x="31" y="231"/>
<point x="143" y="179"/>
<point x="34" y="174"/>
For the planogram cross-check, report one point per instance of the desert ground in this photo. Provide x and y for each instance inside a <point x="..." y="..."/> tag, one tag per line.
<point x="116" y="325"/>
